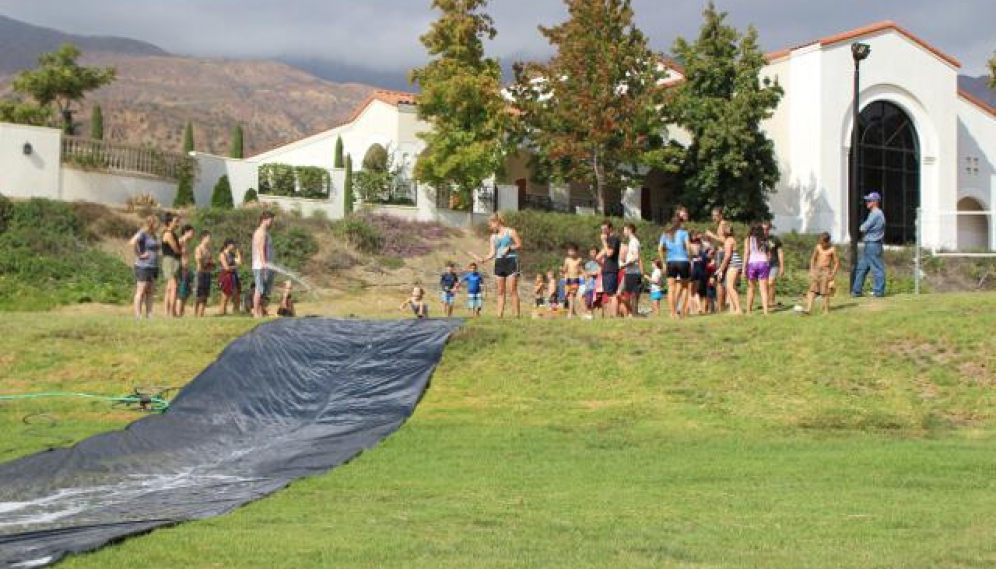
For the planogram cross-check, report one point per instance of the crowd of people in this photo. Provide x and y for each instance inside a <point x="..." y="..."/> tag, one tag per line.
<point x="184" y="259"/>
<point x="694" y="272"/>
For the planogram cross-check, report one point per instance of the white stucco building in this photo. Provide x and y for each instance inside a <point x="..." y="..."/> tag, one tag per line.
<point x="924" y="143"/>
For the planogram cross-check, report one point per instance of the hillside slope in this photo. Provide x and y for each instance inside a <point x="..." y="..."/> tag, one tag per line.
<point x="156" y="93"/>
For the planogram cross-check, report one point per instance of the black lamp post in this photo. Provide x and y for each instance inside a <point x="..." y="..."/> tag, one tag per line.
<point x="860" y="52"/>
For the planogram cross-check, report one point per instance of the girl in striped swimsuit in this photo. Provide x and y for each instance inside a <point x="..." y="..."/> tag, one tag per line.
<point x="729" y="271"/>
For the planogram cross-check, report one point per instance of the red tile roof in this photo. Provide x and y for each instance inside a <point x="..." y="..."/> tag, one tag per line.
<point x="393" y="98"/>
<point x="984" y="106"/>
<point x="866" y="31"/>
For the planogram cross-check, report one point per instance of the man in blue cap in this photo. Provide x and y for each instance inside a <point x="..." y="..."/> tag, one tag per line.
<point x="873" y="230"/>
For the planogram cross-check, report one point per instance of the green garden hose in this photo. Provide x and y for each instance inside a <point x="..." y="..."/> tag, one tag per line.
<point x="146" y="402"/>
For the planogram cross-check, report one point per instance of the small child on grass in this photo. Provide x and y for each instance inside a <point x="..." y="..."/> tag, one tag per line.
<point x="573" y="271"/>
<point x="475" y="292"/>
<point x="656" y="286"/>
<point x="415" y="302"/>
<point x="539" y="290"/>
<point x="824" y="264"/>
<point x="448" y="282"/>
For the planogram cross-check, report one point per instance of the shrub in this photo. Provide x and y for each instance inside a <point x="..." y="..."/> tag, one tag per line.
<point x="114" y="227"/>
<point x="46" y="259"/>
<point x="277" y="180"/>
<point x="6" y="212"/>
<point x="184" y="192"/>
<point x="142" y="204"/>
<point x="376" y="158"/>
<point x="221" y="198"/>
<point x="293" y="245"/>
<point x="250" y="196"/>
<point x="313" y="182"/>
<point x="356" y="231"/>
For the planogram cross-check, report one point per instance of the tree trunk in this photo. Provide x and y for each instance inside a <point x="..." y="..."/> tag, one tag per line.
<point x="599" y="183"/>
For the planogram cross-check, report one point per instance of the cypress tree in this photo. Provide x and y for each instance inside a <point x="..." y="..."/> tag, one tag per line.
<point x="188" y="138"/>
<point x="97" y="123"/>
<point x="221" y="198"/>
<point x="185" y="192"/>
<point x="236" y="150"/>
<point x="348" y="189"/>
<point x="338" y="153"/>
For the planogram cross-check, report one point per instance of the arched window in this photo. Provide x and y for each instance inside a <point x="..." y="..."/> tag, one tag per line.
<point x="890" y="164"/>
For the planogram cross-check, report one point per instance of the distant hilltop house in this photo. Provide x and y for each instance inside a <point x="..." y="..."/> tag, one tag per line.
<point x="924" y="143"/>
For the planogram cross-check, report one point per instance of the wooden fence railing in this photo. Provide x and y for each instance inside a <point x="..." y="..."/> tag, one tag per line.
<point x="104" y="156"/>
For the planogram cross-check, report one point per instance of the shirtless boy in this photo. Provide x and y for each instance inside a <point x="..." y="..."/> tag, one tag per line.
<point x="204" y="261"/>
<point x="823" y="266"/>
<point x="573" y="270"/>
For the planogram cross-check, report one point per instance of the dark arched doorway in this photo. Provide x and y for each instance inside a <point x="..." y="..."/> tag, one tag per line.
<point x="890" y="164"/>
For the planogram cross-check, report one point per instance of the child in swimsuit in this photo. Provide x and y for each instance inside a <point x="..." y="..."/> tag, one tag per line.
<point x="418" y="306"/>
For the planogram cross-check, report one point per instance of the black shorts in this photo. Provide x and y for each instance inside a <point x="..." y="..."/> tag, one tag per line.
<point x="203" y="285"/>
<point x="507" y="267"/>
<point x="610" y="283"/>
<point x="633" y="283"/>
<point x="681" y="270"/>
<point x="146" y="274"/>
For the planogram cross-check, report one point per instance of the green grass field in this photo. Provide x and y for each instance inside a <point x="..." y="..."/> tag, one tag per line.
<point x="864" y="439"/>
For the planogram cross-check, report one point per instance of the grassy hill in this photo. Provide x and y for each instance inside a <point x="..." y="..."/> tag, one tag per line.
<point x="862" y="439"/>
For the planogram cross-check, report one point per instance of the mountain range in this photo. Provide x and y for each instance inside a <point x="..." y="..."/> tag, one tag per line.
<point x="156" y="93"/>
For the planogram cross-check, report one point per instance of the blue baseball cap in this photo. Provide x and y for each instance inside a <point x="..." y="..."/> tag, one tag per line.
<point x="873" y="197"/>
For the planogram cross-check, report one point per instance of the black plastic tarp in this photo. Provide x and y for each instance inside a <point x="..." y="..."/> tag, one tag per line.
<point x="291" y="398"/>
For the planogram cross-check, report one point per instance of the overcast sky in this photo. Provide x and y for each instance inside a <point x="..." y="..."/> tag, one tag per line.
<point x="382" y="35"/>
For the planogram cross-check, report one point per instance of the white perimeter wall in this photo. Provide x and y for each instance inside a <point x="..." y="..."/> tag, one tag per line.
<point x="113" y="189"/>
<point x="242" y="175"/>
<point x="33" y="175"/>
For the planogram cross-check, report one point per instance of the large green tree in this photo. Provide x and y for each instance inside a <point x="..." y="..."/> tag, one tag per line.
<point x="730" y="162"/>
<point x="60" y="83"/>
<point x="461" y="99"/>
<point x="589" y="112"/>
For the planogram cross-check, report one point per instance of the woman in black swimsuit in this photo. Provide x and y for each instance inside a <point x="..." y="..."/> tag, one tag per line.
<point x="505" y="244"/>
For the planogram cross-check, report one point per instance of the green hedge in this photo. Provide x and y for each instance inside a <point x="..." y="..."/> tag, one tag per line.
<point x="285" y="180"/>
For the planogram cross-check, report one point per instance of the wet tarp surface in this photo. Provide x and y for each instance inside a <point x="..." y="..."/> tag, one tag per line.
<point x="291" y="398"/>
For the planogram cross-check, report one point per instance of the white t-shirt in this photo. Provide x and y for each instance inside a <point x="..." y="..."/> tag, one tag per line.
<point x="655" y="280"/>
<point x="632" y="259"/>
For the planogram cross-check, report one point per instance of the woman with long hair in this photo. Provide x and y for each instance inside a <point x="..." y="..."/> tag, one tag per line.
<point x="146" y="266"/>
<point x="504" y="246"/>
<point x="729" y="270"/>
<point x="756" y="254"/>
<point x="674" y="247"/>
